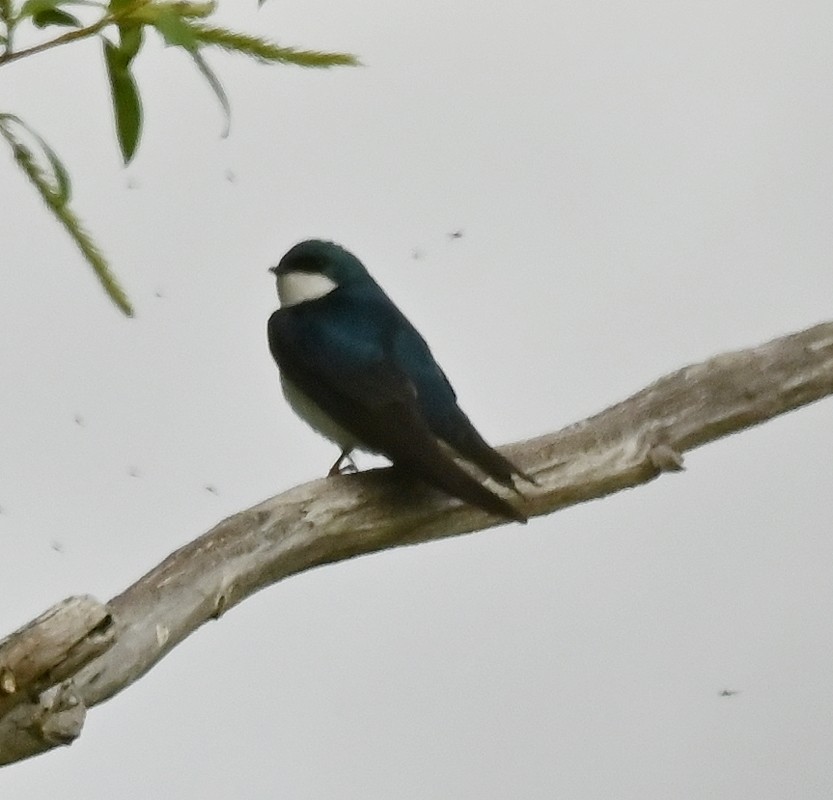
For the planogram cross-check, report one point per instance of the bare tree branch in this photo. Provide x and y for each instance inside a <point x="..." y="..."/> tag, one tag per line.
<point x="40" y="656"/>
<point x="337" y="518"/>
<point x="52" y="648"/>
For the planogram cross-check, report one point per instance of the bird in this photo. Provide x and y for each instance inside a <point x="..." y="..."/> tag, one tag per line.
<point x="359" y="373"/>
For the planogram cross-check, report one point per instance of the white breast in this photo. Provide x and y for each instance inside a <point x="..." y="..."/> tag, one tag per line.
<point x="299" y="287"/>
<point x="316" y="418"/>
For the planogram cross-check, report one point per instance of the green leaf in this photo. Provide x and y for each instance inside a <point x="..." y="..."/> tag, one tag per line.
<point x="179" y="33"/>
<point x="32" y="8"/>
<point x="174" y="31"/>
<point x="54" y="16"/>
<point x="57" y="204"/>
<point x="216" y="86"/>
<point x="60" y="177"/>
<point x="267" y="51"/>
<point x="127" y="107"/>
<point x="130" y="41"/>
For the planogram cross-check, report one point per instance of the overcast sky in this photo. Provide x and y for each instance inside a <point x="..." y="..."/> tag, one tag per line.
<point x="639" y="186"/>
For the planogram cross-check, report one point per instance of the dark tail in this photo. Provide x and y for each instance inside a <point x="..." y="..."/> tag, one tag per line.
<point x="442" y="472"/>
<point x="461" y="435"/>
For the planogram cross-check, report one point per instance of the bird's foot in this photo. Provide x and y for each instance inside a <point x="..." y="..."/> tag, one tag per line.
<point x="336" y="469"/>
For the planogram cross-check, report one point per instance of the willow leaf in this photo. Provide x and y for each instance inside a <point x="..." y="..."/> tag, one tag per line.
<point x="54" y="16"/>
<point x="216" y="87"/>
<point x="26" y="160"/>
<point x="60" y="177"/>
<point x="264" y="50"/>
<point x="127" y="107"/>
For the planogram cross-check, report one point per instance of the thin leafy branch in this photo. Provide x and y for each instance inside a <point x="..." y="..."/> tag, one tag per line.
<point x="55" y="192"/>
<point x="265" y="51"/>
<point x="121" y="27"/>
<point x="6" y="18"/>
<point x="46" y="14"/>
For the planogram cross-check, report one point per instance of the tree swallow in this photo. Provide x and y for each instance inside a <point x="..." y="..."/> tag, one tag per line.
<point x="359" y="373"/>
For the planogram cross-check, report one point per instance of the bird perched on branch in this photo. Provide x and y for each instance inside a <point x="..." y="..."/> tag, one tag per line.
<point x="355" y="369"/>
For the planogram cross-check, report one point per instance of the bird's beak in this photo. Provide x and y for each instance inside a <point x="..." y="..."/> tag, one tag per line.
<point x="273" y="270"/>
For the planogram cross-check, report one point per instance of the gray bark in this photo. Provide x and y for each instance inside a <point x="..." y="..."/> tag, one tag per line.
<point x="93" y="655"/>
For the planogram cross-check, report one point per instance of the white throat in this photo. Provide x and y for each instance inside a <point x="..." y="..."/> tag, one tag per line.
<point x="299" y="287"/>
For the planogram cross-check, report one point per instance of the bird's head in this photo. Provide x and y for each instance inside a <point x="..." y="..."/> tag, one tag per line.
<point x="312" y="269"/>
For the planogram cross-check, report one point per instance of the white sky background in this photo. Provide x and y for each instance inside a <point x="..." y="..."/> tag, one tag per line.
<point x="640" y="186"/>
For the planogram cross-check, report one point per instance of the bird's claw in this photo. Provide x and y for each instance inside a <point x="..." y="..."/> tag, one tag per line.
<point x="336" y="469"/>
